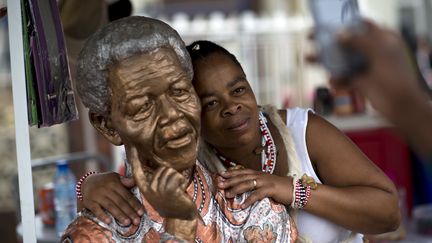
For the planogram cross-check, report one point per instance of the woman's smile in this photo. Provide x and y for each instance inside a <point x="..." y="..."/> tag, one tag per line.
<point x="239" y="125"/>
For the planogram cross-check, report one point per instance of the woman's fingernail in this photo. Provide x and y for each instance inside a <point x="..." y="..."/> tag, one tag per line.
<point x="140" y="212"/>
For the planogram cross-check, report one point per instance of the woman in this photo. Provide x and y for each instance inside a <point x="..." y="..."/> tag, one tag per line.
<point x="276" y="147"/>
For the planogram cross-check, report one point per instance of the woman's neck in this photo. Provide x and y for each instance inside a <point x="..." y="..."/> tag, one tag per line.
<point x="247" y="155"/>
<point x="243" y="154"/>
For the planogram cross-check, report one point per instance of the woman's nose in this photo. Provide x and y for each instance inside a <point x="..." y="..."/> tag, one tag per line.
<point x="231" y="110"/>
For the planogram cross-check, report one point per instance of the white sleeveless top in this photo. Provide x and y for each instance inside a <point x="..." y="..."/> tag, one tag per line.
<point x="315" y="229"/>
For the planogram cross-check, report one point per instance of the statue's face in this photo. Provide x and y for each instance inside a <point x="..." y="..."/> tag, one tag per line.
<point x="155" y="108"/>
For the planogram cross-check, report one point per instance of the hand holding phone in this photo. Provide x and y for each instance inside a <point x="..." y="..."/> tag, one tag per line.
<point x="330" y="16"/>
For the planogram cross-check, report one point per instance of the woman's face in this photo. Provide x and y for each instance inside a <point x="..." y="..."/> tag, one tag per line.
<point x="229" y="108"/>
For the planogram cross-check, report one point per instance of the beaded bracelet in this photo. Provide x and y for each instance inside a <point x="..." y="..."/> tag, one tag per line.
<point x="79" y="183"/>
<point x="301" y="194"/>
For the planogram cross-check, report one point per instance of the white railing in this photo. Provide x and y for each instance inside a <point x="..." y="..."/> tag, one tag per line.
<point x="271" y="50"/>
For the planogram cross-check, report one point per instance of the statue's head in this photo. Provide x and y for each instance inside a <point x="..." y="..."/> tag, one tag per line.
<point x="134" y="75"/>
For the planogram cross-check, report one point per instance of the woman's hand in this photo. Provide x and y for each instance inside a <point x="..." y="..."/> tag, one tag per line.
<point x="238" y="181"/>
<point x="111" y="192"/>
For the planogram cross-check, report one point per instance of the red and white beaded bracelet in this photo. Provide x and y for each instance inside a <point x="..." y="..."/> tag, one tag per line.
<point x="301" y="194"/>
<point x="79" y="183"/>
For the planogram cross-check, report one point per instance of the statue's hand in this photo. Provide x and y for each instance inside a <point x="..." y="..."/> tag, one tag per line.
<point x="164" y="188"/>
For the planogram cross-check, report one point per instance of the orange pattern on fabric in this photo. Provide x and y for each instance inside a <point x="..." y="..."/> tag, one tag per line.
<point x="224" y="218"/>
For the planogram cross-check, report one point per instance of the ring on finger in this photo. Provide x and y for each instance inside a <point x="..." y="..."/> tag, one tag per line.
<point x="254" y="184"/>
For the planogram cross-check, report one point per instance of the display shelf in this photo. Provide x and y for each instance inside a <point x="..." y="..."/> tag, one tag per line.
<point x="358" y="121"/>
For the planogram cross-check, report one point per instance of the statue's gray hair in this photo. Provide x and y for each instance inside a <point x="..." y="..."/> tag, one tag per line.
<point x="117" y="41"/>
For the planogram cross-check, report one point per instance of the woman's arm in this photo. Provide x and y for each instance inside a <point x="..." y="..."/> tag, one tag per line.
<point x="108" y="191"/>
<point x="356" y="194"/>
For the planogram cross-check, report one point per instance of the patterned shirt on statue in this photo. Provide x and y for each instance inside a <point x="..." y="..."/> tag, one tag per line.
<point x="223" y="220"/>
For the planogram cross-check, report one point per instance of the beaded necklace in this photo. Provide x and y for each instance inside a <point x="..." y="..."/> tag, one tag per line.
<point x="267" y="149"/>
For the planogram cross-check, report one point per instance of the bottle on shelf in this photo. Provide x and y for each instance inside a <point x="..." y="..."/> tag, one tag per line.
<point x="64" y="197"/>
<point x="342" y="102"/>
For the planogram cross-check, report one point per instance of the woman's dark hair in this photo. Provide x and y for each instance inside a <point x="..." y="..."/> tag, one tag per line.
<point x="201" y="49"/>
<point x="119" y="9"/>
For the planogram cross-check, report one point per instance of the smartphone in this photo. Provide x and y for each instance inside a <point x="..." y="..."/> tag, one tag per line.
<point x="330" y="16"/>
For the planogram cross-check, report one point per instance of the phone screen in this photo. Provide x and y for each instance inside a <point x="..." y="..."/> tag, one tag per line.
<point x="335" y="13"/>
<point x="329" y="17"/>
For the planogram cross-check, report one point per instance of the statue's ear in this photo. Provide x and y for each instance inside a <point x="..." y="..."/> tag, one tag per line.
<point x="103" y="125"/>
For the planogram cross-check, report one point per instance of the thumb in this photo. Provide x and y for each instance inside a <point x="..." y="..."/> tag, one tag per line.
<point x="184" y="183"/>
<point x="128" y="182"/>
<point x="362" y="41"/>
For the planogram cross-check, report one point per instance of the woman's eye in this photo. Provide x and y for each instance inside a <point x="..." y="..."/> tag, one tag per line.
<point x="210" y="104"/>
<point x="239" y="90"/>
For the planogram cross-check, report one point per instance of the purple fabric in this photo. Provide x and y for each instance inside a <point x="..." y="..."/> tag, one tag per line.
<point x="56" y="100"/>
